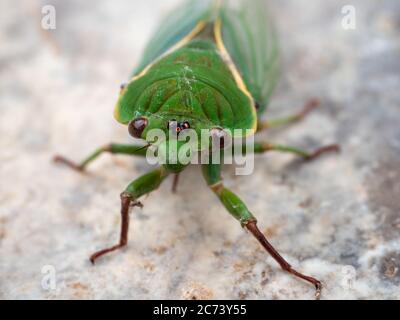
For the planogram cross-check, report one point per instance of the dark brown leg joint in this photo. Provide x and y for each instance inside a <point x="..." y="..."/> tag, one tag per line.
<point x="319" y="151"/>
<point x="310" y="106"/>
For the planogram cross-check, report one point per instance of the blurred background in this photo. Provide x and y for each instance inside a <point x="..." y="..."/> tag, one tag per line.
<point x="336" y="218"/>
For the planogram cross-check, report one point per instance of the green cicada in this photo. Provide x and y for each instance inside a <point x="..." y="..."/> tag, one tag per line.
<point x="212" y="65"/>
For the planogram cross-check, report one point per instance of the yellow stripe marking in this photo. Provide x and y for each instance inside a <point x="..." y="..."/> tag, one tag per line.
<point x="192" y="34"/>
<point x="231" y="65"/>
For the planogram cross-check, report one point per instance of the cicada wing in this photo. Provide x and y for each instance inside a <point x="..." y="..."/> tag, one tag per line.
<point x="251" y="40"/>
<point x="174" y="27"/>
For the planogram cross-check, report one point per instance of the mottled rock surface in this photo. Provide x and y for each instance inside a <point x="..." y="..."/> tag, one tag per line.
<point x="337" y="218"/>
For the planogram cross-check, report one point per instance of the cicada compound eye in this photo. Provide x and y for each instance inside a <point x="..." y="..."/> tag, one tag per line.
<point x="185" y="125"/>
<point x="220" y="138"/>
<point x="137" y="126"/>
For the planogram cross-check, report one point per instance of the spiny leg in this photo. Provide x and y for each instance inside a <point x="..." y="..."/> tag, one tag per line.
<point x="236" y="207"/>
<point x="261" y="147"/>
<point x="137" y="188"/>
<point x="113" y="148"/>
<point x="308" y="107"/>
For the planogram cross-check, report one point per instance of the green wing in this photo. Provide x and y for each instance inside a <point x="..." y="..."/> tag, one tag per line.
<point x="174" y="27"/>
<point x="251" y="41"/>
<point x="247" y="34"/>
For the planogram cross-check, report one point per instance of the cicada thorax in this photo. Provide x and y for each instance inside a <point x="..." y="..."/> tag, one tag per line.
<point x="244" y="36"/>
<point x="193" y="83"/>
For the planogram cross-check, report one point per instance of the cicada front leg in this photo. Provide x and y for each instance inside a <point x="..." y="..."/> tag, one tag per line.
<point x="238" y="209"/>
<point x="112" y="148"/>
<point x="137" y="188"/>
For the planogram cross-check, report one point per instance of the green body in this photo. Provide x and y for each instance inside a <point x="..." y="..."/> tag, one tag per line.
<point x="185" y="74"/>
<point x="191" y="84"/>
<point x="210" y="64"/>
